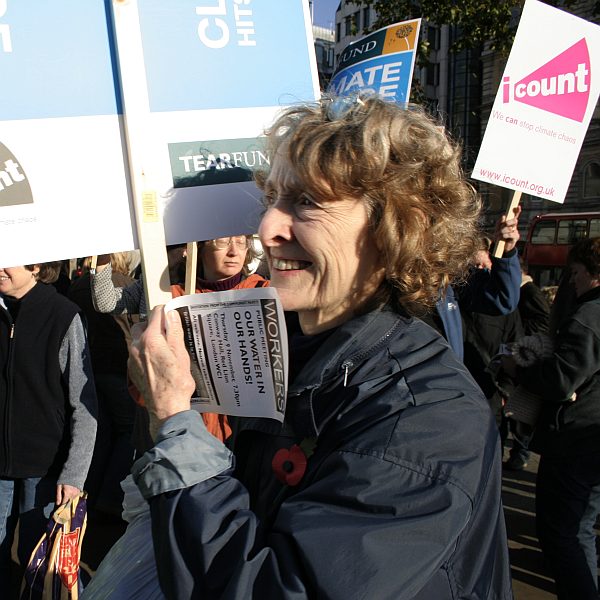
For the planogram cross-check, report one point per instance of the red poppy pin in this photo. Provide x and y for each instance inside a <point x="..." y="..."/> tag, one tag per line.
<point x="289" y="465"/>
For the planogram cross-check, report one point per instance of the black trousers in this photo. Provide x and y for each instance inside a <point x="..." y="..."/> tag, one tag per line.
<point x="567" y="504"/>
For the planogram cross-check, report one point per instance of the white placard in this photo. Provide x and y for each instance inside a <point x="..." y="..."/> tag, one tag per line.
<point x="544" y="105"/>
<point x="63" y="183"/>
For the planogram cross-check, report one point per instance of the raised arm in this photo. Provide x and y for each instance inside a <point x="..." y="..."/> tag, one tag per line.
<point x="115" y="300"/>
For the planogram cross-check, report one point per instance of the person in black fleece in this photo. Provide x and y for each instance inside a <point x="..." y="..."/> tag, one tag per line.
<point x="47" y="407"/>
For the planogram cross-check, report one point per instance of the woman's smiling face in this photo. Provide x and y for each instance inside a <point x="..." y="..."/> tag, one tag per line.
<point x="15" y="282"/>
<point x="323" y="259"/>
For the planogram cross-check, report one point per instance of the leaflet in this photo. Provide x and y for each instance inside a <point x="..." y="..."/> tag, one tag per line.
<point x="237" y="341"/>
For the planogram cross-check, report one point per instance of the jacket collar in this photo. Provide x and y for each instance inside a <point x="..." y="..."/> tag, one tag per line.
<point x="335" y="361"/>
<point x="352" y="342"/>
<point x="592" y="294"/>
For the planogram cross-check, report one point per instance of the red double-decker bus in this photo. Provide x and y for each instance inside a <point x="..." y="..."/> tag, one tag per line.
<point x="549" y="239"/>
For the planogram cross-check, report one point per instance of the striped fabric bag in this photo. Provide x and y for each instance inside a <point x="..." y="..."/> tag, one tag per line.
<point x="53" y="569"/>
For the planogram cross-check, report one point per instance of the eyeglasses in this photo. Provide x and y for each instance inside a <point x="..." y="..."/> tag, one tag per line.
<point x="241" y="242"/>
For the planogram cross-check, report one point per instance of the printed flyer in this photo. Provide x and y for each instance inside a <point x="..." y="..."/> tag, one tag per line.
<point x="237" y="341"/>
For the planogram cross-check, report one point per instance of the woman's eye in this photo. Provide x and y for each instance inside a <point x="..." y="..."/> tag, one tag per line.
<point x="306" y="201"/>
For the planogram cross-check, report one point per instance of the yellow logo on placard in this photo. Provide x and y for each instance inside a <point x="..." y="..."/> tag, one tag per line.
<point x="401" y="38"/>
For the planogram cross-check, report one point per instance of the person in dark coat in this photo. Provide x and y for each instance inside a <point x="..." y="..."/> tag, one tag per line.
<point x="568" y="434"/>
<point x="534" y="310"/>
<point x="484" y="334"/>
<point x="109" y="339"/>
<point x="493" y="291"/>
<point x="533" y="305"/>
<point x="47" y="407"/>
<point x="384" y="479"/>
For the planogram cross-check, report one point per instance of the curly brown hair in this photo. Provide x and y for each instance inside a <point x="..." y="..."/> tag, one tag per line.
<point x="423" y="213"/>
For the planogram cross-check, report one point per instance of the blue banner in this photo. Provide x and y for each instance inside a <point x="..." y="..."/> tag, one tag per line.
<point x="213" y="54"/>
<point x="56" y="61"/>
<point x="381" y="62"/>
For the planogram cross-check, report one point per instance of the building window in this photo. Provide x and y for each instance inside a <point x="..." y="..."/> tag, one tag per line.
<point x="591" y="181"/>
<point x="356" y="21"/>
<point x="433" y="37"/>
<point x="366" y="18"/>
<point x="338" y="32"/>
<point x="348" y="25"/>
<point x="433" y="74"/>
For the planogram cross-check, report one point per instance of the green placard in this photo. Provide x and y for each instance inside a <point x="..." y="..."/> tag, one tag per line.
<point x="216" y="162"/>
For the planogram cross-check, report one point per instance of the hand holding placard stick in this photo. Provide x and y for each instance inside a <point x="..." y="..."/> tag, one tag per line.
<point x="509" y="230"/>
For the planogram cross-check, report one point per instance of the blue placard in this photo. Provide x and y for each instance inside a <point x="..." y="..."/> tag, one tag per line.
<point x="209" y="54"/>
<point x="58" y="62"/>
<point x="388" y="75"/>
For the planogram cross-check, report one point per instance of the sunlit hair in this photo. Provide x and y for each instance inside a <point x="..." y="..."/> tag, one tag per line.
<point x="120" y="262"/>
<point x="48" y="272"/>
<point x="587" y="253"/>
<point x="251" y="255"/>
<point x="423" y="213"/>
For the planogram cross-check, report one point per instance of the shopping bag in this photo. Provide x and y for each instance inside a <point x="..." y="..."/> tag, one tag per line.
<point x="53" y="569"/>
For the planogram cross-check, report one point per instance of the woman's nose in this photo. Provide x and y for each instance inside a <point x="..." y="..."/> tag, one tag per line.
<point x="276" y="226"/>
<point x="232" y="249"/>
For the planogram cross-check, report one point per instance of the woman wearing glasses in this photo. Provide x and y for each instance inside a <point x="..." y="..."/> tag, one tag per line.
<point x="223" y="264"/>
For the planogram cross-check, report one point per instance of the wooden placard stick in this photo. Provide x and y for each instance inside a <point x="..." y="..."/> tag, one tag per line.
<point x="93" y="264"/>
<point x="499" y="249"/>
<point x="134" y="88"/>
<point x="191" y="264"/>
<point x="72" y="266"/>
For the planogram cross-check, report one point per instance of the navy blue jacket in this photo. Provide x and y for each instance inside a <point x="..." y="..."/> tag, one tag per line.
<point x="494" y="292"/>
<point x="401" y="498"/>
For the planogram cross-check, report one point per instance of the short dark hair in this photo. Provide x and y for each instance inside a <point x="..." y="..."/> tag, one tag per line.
<point x="49" y="271"/>
<point x="587" y="253"/>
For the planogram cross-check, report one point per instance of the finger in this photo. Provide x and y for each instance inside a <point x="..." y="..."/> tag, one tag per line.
<point x="137" y="330"/>
<point x="59" y="495"/>
<point x="175" y="333"/>
<point x="155" y="321"/>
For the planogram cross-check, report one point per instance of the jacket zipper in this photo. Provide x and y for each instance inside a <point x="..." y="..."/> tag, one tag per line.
<point x="349" y="363"/>
<point x="8" y="399"/>
<point x="346" y="366"/>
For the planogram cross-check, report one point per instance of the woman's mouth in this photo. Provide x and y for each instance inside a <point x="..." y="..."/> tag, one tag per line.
<point x="282" y="264"/>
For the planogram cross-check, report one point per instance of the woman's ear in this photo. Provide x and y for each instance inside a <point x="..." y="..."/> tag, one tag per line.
<point x="35" y="272"/>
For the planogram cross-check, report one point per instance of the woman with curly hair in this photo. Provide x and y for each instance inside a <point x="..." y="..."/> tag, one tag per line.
<point x="384" y="480"/>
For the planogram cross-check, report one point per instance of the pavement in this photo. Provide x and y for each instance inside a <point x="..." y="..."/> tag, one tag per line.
<point x="530" y="579"/>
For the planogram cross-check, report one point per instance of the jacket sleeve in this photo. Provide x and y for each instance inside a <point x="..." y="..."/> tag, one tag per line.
<point x="575" y="359"/>
<point x="534" y="309"/>
<point x="344" y="535"/>
<point x="108" y="298"/>
<point x="494" y="292"/>
<point x="76" y="368"/>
